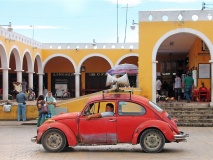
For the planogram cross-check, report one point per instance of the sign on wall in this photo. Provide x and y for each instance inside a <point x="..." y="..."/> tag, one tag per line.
<point x="204" y="70"/>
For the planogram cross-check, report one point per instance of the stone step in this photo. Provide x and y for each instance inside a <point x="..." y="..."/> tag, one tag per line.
<point x="185" y="105"/>
<point x="184" y="115"/>
<point x="195" y="121"/>
<point x="195" y="124"/>
<point x="188" y="108"/>
<point x="193" y="117"/>
<point x="190" y="112"/>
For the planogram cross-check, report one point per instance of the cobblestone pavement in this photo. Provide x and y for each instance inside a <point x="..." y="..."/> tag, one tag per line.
<point x="16" y="145"/>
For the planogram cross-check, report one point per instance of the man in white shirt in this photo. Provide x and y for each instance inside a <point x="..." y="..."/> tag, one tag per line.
<point x="177" y="87"/>
<point x="158" y="86"/>
<point x="109" y="112"/>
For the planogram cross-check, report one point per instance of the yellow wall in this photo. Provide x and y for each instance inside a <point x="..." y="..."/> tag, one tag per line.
<point x="149" y="34"/>
<point x="72" y="105"/>
<point x="196" y="58"/>
<point x="92" y="64"/>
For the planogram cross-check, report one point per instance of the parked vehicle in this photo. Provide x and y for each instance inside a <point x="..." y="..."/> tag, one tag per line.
<point x="136" y="120"/>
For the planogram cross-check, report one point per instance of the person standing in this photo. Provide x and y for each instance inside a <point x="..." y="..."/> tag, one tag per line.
<point x="24" y="86"/>
<point x="188" y="86"/>
<point x="109" y="112"/>
<point x="41" y="115"/>
<point x="177" y="87"/>
<point x="21" y="98"/>
<point x="51" y="102"/>
<point x="158" y="86"/>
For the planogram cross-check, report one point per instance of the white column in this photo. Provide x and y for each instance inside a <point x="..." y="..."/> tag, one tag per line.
<point x="40" y="84"/>
<point x="5" y="83"/>
<point x="154" y="72"/>
<point x="30" y="79"/>
<point x="211" y="83"/>
<point x="19" y="75"/>
<point x="77" y="84"/>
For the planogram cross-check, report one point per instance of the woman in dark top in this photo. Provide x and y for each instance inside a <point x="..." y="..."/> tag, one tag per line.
<point x="41" y="115"/>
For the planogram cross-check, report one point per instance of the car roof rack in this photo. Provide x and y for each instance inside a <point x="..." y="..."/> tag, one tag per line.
<point x="117" y="91"/>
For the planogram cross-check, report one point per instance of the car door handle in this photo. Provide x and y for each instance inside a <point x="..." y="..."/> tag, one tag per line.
<point x="112" y="120"/>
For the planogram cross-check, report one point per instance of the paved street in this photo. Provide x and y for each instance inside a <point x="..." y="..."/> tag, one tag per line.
<point x="16" y="145"/>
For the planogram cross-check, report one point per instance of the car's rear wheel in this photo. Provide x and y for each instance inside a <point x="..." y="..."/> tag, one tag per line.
<point x="152" y="140"/>
<point x="54" y="140"/>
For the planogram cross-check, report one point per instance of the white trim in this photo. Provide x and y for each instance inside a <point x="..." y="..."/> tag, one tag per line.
<point x="4" y="58"/>
<point x="78" y="70"/>
<point x="17" y="55"/>
<point x="37" y="58"/>
<point x="58" y="55"/>
<point x="165" y="36"/>
<point x="29" y="60"/>
<point x="125" y="56"/>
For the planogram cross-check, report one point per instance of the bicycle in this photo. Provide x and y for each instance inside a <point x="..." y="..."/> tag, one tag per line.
<point x="62" y="94"/>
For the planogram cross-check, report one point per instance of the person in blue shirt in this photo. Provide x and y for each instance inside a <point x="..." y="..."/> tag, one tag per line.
<point x="188" y="86"/>
<point x="109" y="112"/>
<point x="21" y="98"/>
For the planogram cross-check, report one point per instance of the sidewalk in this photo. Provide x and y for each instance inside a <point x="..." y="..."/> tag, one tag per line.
<point x="18" y="123"/>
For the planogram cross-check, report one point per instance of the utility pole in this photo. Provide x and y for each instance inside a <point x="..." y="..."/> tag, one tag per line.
<point x="126" y="23"/>
<point x="117" y="23"/>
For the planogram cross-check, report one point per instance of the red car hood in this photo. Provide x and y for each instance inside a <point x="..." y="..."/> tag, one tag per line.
<point x="63" y="116"/>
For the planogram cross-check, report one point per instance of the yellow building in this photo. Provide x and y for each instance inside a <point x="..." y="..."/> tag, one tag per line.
<point x="168" y="41"/>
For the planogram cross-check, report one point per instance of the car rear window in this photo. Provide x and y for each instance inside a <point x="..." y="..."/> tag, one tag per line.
<point x="130" y="109"/>
<point x="155" y="106"/>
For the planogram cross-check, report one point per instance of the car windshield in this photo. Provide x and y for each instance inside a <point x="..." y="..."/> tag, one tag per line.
<point x="155" y="106"/>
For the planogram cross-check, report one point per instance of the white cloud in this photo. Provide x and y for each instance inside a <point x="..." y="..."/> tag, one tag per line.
<point x="75" y="7"/>
<point x="138" y="2"/>
<point x="38" y="27"/>
<point x="183" y="1"/>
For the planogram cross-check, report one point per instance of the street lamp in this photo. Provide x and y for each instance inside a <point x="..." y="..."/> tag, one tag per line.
<point x="10" y="29"/>
<point x="133" y="25"/>
<point x="204" y="6"/>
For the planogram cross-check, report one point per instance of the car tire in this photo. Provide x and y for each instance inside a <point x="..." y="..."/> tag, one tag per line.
<point x="152" y="141"/>
<point x="53" y="140"/>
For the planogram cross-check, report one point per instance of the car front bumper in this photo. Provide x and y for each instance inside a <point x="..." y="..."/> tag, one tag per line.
<point x="181" y="137"/>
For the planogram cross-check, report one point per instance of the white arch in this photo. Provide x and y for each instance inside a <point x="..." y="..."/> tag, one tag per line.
<point x="39" y="62"/>
<point x="58" y="55"/>
<point x="93" y="55"/>
<point x="17" y="55"/>
<point x="29" y="60"/>
<point x="125" y="56"/>
<point x="3" y="54"/>
<point x="165" y="36"/>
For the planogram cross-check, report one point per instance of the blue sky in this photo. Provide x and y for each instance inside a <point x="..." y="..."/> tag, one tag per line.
<point x="81" y="21"/>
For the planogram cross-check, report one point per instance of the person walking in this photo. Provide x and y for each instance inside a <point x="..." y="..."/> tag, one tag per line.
<point x="177" y="87"/>
<point x="51" y="102"/>
<point x="41" y="115"/>
<point x="158" y="86"/>
<point x="21" y="98"/>
<point x="188" y="86"/>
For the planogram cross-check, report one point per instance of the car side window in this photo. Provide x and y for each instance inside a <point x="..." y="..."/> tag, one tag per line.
<point x="130" y="108"/>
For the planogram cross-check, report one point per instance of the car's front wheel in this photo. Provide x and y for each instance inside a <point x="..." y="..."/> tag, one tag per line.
<point x="53" y="140"/>
<point x="152" y="140"/>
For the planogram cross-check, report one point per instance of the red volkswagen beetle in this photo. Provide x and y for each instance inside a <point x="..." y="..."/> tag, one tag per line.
<point x="136" y="120"/>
